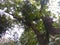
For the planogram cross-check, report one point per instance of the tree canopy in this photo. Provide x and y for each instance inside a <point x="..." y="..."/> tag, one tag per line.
<point x="33" y="15"/>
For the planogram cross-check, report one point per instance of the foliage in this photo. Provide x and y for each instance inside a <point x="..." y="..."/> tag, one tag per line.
<point x="26" y="13"/>
<point x="28" y="38"/>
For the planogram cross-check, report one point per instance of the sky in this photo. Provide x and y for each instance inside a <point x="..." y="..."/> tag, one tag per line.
<point x="15" y="32"/>
<point x="54" y="7"/>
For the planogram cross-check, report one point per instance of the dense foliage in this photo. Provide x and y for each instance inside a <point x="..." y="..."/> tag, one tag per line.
<point x="28" y="13"/>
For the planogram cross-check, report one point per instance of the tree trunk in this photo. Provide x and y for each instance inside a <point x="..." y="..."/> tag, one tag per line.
<point x="42" y="38"/>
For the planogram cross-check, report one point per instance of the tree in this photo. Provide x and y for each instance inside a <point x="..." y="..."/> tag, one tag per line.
<point x="33" y="18"/>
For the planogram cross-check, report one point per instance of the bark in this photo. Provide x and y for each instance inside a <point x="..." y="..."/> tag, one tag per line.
<point x="44" y="39"/>
<point x="47" y="21"/>
<point x="40" y="37"/>
<point x="54" y="31"/>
